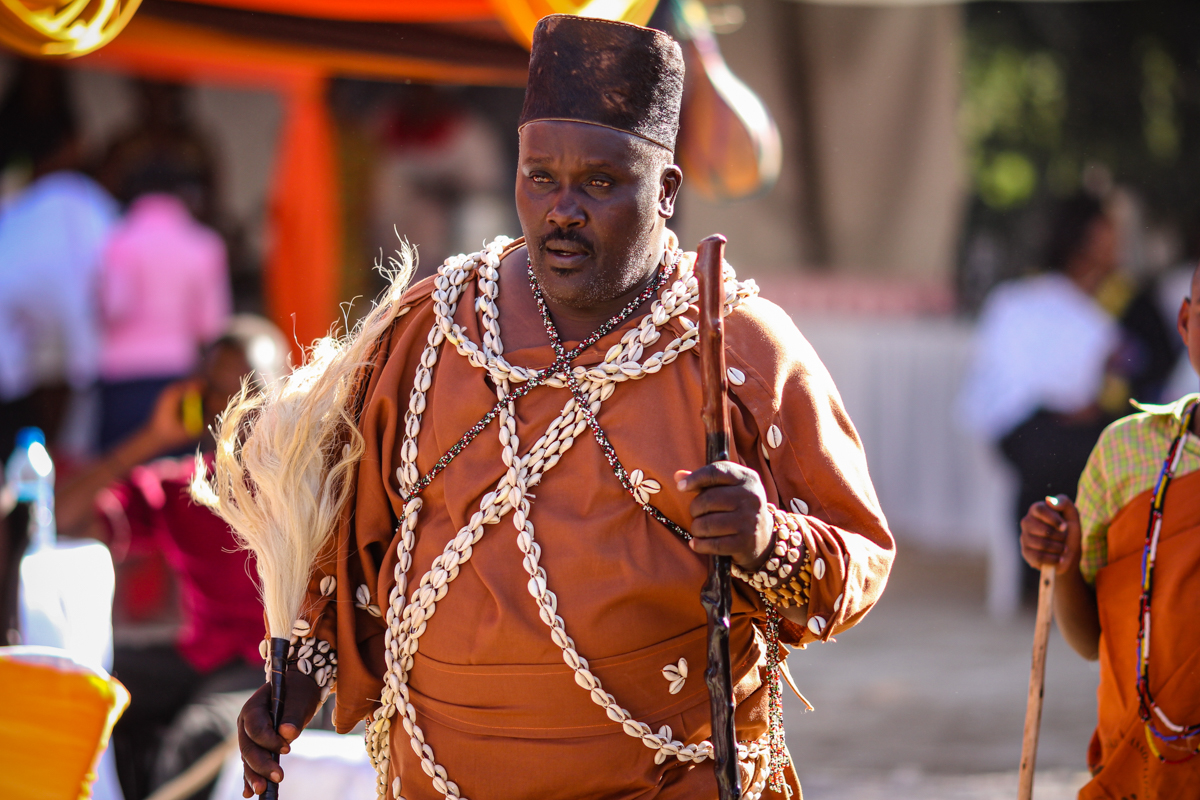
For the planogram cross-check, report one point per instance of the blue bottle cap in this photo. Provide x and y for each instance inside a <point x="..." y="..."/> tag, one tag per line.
<point x="27" y="436"/>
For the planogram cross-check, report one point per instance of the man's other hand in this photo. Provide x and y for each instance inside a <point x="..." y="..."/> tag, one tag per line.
<point x="1050" y="534"/>
<point x="730" y="516"/>
<point x="258" y="739"/>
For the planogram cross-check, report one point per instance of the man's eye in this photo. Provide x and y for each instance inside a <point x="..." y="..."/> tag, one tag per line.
<point x="600" y="183"/>
<point x="539" y="179"/>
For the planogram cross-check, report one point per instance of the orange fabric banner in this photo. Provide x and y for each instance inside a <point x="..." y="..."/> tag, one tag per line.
<point x="302" y="271"/>
<point x="169" y="50"/>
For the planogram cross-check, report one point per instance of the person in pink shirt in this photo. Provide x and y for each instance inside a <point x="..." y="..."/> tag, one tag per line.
<point x="164" y="294"/>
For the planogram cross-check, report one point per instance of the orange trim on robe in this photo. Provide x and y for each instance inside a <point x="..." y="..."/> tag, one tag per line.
<point x="1119" y="755"/>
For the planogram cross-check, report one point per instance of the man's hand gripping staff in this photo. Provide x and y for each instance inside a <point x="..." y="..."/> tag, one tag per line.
<point x="1050" y="542"/>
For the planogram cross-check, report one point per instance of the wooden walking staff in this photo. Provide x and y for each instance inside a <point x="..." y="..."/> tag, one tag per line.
<point x="717" y="595"/>
<point x="1037" y="682"/>
<point x="279" y="654"/>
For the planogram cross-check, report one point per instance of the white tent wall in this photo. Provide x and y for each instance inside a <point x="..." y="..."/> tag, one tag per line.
<point x="883" y="100"/>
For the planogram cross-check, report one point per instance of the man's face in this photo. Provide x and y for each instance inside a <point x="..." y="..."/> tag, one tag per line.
<point x="1101" y="247"/>
<point x="592" y="203"/>
<point x="222" y="374"/>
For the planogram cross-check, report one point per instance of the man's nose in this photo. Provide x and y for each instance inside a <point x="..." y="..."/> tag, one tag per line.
<point x="566" y="211"/>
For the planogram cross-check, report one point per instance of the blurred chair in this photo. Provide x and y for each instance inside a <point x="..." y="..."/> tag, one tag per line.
<point x="66" y="602"/>
<point x="54" y="723"/>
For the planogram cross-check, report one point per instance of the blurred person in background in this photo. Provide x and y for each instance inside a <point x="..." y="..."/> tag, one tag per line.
<point x="440" y="176"/>
<point x="52" y="233"/>
<point x="162" y="140"/>
<point x="164" y="292"/>
<point x="185" y="694"/>
<point x="1143" y="477"/>
<point x="1042" y="384"/>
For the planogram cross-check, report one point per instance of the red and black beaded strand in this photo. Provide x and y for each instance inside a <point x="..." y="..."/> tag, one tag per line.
<point x="562" y="362"/>
<point x="610" y="453"/>
<point x="1147" y="706"/>
<point x="775" y="732"/>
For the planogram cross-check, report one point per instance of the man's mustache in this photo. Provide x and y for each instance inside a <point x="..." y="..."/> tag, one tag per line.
<point x="566" y="235"/>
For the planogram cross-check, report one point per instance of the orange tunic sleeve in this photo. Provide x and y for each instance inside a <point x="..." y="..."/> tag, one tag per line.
<point x="789" y="425"/>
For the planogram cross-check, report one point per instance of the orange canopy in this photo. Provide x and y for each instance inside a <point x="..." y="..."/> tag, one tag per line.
<point x="194" y="43"/>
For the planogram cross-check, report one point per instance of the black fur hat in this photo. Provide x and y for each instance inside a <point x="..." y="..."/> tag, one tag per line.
<point x="605" y="73"/>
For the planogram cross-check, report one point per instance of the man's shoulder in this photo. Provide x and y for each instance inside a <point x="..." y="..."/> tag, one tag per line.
<point x="1149" y="424"/>
<point x="763" y="336"/>
<point x="419" y="293"/>
<point x="1138" y="442"/>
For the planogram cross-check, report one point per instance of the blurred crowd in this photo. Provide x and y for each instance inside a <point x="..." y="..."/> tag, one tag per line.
<point x="1062" y="353"/>
<point x="120" y="269"/>
<point x="109" y="277"/>
<point x="118" y="341"/>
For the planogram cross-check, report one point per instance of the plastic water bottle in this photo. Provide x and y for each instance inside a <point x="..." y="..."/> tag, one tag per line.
<point x="30" y="474"/>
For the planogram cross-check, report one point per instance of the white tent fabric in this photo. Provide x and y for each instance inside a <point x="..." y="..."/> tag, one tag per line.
<point x="940" y="487"/>
<point x="867" y="101"/>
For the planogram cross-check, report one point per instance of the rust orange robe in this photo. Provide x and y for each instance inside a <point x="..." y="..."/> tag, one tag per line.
<point x="1119" y="755"/>
<point x="495" y="700"/>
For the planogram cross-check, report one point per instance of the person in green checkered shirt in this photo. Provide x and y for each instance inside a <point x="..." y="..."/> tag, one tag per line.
<point x="1148" y="732"/>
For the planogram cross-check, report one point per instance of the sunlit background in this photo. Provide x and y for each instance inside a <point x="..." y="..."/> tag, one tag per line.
<point x="878" y="167"/>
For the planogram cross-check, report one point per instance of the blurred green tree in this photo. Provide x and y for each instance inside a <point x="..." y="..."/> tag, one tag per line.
<point x="1054" y="92"/>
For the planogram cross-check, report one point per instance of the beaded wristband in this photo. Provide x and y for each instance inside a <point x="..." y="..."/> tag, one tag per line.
<point x="784" y="579"/>
<point x="313" y="657"/>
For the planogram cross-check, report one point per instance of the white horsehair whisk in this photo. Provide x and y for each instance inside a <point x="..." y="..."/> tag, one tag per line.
<point x="284" y="466"/>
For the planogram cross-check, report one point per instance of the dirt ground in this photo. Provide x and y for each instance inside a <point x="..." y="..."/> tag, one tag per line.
<point x="926" y="697"/>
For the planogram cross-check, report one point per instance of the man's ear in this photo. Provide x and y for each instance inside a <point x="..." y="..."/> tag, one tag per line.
<point x="668" y="190"/>
<point x="1184" y="319"/>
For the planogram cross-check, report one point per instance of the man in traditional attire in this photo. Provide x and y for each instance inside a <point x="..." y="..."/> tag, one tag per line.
<point x="1128" y="552"/>
<point x="562" y="534"/>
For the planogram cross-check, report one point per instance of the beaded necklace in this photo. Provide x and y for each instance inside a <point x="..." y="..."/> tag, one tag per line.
<point x="562" y="361"/>
<point x="610" y="452"/>
<point x="1147" y="707"/>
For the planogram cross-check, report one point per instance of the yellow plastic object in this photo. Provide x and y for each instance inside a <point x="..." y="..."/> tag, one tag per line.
<point x="62" y="28"/>
<point x="55" y="721"/>
<point x="520" y="17"/>
<point x="193" y="413"/>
